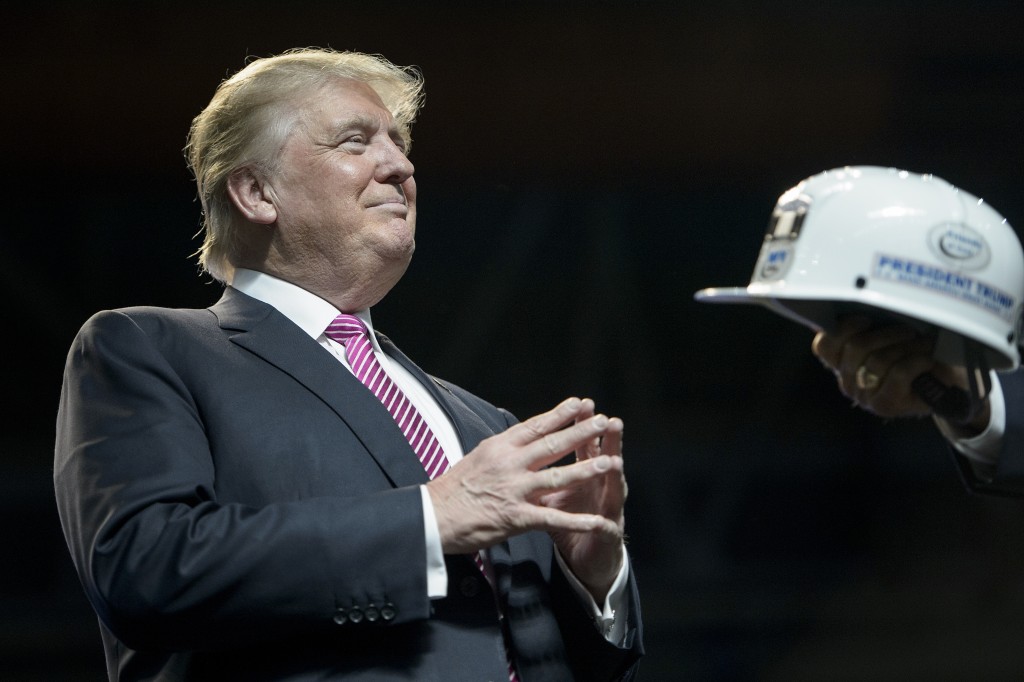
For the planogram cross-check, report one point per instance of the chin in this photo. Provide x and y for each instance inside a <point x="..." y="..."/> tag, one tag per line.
<point x="404" y="236"/>
<point x="398" y="251"/>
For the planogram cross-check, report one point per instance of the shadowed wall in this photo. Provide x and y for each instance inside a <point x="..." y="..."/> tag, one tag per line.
<point x="583" y="168"/>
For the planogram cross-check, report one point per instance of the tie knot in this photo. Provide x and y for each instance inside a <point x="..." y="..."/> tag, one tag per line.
<point x="344" y="327"/>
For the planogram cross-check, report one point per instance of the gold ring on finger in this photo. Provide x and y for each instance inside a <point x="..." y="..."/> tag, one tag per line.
<point x="866" y="379"/>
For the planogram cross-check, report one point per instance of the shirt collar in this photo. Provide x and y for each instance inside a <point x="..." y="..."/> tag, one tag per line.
<point x="311" y="313"/>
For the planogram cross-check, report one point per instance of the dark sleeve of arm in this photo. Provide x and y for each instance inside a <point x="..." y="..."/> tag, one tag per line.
<point x="591" y="656"/>
<point x="1007" y="477"/>
<point x="164" y="563"/>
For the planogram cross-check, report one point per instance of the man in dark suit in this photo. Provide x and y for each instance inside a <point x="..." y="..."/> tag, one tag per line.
<point x="876" y="364"/>
<point x="245" y="499"/>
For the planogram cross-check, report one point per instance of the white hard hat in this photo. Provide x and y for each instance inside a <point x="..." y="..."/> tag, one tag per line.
<point x="887" y="242"/>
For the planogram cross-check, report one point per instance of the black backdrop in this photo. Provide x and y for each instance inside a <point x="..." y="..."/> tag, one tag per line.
<point x="583" y="168"/>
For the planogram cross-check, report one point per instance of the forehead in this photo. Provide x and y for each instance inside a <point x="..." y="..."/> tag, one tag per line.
<point x="342" y="101"/>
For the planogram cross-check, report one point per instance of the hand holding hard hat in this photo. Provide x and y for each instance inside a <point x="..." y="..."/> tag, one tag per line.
<point x="879" y="366"/>
<point x="905" y="277"/>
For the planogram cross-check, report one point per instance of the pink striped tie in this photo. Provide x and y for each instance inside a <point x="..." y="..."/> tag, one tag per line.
<point x="349" y="331"/>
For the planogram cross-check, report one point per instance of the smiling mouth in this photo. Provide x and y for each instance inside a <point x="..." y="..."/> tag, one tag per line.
<point x="397" y="201"/>
<point x="397" y="207"/>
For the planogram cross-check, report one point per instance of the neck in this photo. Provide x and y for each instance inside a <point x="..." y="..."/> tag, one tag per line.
<point x="348" y="295"/>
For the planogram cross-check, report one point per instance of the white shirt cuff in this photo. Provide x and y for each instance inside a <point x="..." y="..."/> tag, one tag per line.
<point x="437" y="574"/>
<point x="610" y="618"/>
<point x="984" y="447"/>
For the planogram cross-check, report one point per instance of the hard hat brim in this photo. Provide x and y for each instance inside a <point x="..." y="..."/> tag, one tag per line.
<point x="757" y="295"/>
<point x="821" y="311"/>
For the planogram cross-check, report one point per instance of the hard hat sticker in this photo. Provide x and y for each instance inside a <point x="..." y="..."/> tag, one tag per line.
<point x="965" y="288"/>
<point x="774" y="261"/>
<point x="959" y="245"/>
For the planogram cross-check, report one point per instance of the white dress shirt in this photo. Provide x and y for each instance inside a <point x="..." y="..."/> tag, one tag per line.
<point x="313" y="314"/>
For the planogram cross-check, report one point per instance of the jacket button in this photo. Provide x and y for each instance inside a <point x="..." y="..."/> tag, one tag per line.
<point x="355" y="615"/>
<point x="340" y="617"/>
<point x="388" y="611"/>
<point x="469" y="586"/>
<point x="372" y="613"/>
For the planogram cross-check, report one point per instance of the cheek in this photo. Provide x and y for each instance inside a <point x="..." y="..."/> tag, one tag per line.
<point x="344" y="178"/>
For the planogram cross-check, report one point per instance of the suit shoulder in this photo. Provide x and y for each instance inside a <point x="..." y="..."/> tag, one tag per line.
<point x="478" y="404"/>
<point x="152" y="318"/>
<point x="161" y="326"/>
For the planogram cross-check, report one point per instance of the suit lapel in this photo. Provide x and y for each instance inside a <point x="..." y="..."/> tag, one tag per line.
<point x="469" y="427"/>
<point x="262" y="330"/>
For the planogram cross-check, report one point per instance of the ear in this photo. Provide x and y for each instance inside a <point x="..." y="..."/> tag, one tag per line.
<point x="249" y="193"/>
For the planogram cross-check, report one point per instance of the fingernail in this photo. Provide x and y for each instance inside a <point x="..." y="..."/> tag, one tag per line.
<point x="600" y="421"/>
<point x="573" y="404"/>
<point x="602" y="463"/>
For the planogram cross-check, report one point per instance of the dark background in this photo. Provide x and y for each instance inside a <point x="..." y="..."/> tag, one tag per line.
<point x="583" y="169"/>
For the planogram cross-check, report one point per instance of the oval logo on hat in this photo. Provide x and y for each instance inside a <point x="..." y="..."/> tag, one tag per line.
<point x="960" y="245"/>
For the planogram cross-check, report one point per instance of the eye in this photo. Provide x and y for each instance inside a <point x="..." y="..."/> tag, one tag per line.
<point x="355" y="140"/>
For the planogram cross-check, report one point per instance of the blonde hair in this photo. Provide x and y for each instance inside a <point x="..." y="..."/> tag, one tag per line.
<point x="253" y="112"/>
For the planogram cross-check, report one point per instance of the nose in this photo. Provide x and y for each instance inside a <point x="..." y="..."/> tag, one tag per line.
<point x="394" y="167"/>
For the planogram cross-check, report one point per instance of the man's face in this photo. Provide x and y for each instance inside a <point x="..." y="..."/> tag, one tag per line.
<point x="344" y="194"/>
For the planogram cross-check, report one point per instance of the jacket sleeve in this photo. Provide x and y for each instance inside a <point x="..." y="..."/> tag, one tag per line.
<point x="1007" y="477"/>
<point x="168" y="565"/>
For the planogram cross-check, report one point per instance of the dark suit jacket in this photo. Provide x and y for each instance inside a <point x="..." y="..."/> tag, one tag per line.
<point x="240" y="507"/>
<point x="1007" y="478"/>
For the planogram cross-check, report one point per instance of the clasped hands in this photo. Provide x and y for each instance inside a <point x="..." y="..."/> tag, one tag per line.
<point x="507" y="486"/>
